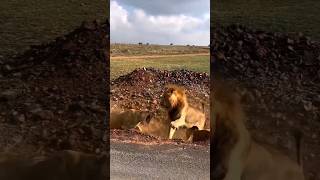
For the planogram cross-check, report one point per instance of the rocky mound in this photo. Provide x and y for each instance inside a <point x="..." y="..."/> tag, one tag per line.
<point x="279" y="76"/>
<point x="253" y="53"/>
<point x="151" y="76"/>
<point x="86" y="44"/>
<point x="286" y="66"/>
<point x="142" y="90"/>
<point x="55" y="94"/>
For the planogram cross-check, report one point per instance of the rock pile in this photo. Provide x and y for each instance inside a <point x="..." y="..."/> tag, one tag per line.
<point x="251" y="53"/>
<point x="55" y="94"/>
<point x="142" y="89"/>
<point x="286" y="66"/>
<point x="153" y="76"/>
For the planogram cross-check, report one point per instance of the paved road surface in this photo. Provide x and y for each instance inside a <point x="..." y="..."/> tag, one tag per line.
<point x="134" y="161"/>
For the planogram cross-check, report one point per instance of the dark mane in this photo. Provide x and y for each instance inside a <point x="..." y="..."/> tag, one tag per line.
<point x="175" y="112"/>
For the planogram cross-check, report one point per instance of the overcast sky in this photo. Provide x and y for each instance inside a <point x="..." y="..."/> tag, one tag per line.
<point x="160" y="21"/>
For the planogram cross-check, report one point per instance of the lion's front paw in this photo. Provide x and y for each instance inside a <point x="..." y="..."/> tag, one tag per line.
<point x="174" y="125"/>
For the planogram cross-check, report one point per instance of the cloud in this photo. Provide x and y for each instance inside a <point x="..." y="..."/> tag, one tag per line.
<point x="136" y="25"/>
<point x="119" y="18"/>
<point x="169" y="7"/>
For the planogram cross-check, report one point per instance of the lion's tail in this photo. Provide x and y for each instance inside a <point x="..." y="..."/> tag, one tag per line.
<point x="298" y="135"/>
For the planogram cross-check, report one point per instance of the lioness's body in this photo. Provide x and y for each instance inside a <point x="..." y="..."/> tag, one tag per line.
<point x="160" y="128"/>
<point x="155" y="127"/>
<point x="64" y="165"/>
<point x="127" y="119"/>
<point x="179" y="112"/>
<point x="237" y="156"/>
<point x="263" y="159"/>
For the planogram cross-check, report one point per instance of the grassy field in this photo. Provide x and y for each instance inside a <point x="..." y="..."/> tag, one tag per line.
<point x="272" y="15"/>
<point x="25" y="23"/>
<point x="134" y="49"/>
<point x="198" y="63"/>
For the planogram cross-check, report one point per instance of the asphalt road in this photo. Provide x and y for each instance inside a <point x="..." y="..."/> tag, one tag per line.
<point x="134" y="161"/>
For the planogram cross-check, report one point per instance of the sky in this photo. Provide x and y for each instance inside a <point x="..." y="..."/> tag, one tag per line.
<point x="180" y="22"/>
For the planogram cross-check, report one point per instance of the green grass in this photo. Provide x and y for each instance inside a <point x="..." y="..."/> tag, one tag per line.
<point x="25" y="23"/>
<point x="271" y="15"/>
<point x="120" y="67"/>
<point x="152" y="49"/>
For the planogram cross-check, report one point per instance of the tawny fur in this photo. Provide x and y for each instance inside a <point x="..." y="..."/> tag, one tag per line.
<point x="237" y="155"/>
<point x="179" y="112"/>
<point x="127" y="119"/>
<point x="159" y="128"/>
<point x="64" y="165"/>
<point x="154" y="127"/>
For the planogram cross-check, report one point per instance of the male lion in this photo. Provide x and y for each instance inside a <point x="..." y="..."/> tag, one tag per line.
<point x="179" y="112"/>
<point x="236" y="154"/>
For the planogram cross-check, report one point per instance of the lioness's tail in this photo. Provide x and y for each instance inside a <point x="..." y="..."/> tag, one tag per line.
<point x="298" y="138"/>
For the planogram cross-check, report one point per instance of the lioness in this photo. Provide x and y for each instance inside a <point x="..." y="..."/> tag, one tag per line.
<point x="159" y="128"/>
<point x="179" y="112"/>
<point x="236" y="154"/>
<point x="155" y="127"/>
<point x="64" y="165"/>
<point x="127" y="119"/>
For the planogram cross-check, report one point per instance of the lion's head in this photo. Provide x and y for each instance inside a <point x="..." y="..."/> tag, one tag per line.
<point x="173" y="96"/>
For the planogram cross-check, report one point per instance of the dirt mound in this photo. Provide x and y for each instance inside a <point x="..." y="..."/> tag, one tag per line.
<point x="279" y="79"/>
<point x="55" y="94"/>
<point x="287" y="66"/>
<point x="142" y="90"/>
<point x="86" y="44"/>
<point x="250" y="53"/>
<point x="147" y="76"/>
